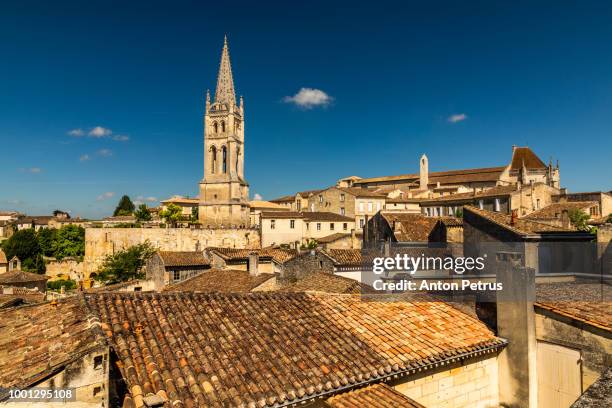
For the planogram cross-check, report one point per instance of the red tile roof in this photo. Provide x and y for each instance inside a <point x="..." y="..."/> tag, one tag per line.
<point x="38" y="339"/>
<point x="327" y="283"/>
<point x="21" y="277"/>
<point x="497" y="191"/>
<point x="315" y="216"/>
<point x="554" y="211"/>
<point x="410" y="227"/>
<point x="443" y="177"/>
<point x="183" y="258"/>
<point x="521" y="226"/>
<point x="263" y="349"/>
<point x="374" y="396"/>
<point x="221" y="280"/>
<point x="525" y="155"/>
<point x="344" y="257"/>
<point x="238" y="254"/>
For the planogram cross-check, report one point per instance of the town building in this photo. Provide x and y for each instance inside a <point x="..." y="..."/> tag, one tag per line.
<point x="167" y="268"/>
<point x="263" y="260"/>
<point x="224" y="192"/>
<point x="189" y="206"/>
<point x="559" y="213"/>
<point x="603" y="200"/>
<point x="226" y="281"/>
<point x="4" y="265"/>
<point x="358" y="204"/>
<point x="17" y="278"/>
<point x="402" y="227"/>
<point x="258" y="206"/>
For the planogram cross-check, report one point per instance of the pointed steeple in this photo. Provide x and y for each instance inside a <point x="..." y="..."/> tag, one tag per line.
<point x="225" y="82"/>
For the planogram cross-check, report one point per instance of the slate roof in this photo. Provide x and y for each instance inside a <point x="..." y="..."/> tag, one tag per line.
<point x="221" y="280"/>
<point x="37" y="340"/>
<point x="17" y="276"/>
<point x="238" y="254"/>
<point x="265" y="349"/>
<point x="525" y="155"/>
<point x="521" y="226"/>
<point x="555" y="210"/>
<point x="183" y="258"/>
<point x="373" y="396"/>
<point x="588" y="303"/>
<point x="328" y="283"/>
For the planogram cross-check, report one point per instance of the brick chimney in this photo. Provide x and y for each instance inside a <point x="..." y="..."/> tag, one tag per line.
<point x="513" y="217"/>
<point x="253" y="264"/>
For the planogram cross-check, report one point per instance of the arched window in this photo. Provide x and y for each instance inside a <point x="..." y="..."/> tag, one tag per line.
<point x="213" y="159"/>
<point x="224" y="154"/>
<point x="215" y="127"/>
<point x="222" y="126"/>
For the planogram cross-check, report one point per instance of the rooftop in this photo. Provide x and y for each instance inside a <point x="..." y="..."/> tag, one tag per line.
<point x="17" y="276"/>
<point x="236" y="254"/>
<point x="525" y="156"/>
<point x="183" y="258"/>
<point x="520" y="226"/>
<point x="555" y="210"/>
<point x="410" y="227"/>
<point x="599" y="394"/>
<point x="497" y="191"/>
<point x="443" y="177"/>
<point x="328" y="283"/>
<point x="263" y="349"/>
<point x="221" y="280"/>
<point x="373" y="396"/>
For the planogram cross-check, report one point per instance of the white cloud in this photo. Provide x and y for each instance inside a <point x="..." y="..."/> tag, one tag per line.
<point x="142" y="199"/>
<point x="458" y="117"/>
<point x="100" y="131"/>
<point x="32" y="170"/>
<point x="76" y="132"/>
<point x="105" y="196"/>
<point x="121" y="138"/>
<point x="308" y="98"/>
<point x="105" y="152"/>
<point x="84" y="157"/>
<point x="257" y="197"/>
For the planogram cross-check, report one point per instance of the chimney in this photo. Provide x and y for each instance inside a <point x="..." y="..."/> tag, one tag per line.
<point x="513" y="217"/>
<point x="354" y="243"/>
<point x="387" y="248"/>
<point x="253" y="264"/>
<point x="565" y="221"/>
<point x="423" y="173"/>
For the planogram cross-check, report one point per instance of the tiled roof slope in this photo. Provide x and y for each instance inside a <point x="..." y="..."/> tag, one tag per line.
<point x="221" y="280"/>
<point x="590" y="303"/>
<point x="325" y="216"/>
<point x="38" y="339"/>
<point x="525" y="155"/>
<point x="521" y="226"/>
<point x="362" y="192"/>
<point x="444" y="177"/>
<point x="328" y="283"/>
<point x="496" y="191"/>
<point x="21" y="277"/>
<point x="345" y="257"/>
<point x="374" y="396"/>
<point x="599" y="394"/>
<point x="412" y="227"/>
<point x="238" y="254"/>
<point x="556" y="209"/>
<point x="184" y="258"/>
<point x="267" y="349"/>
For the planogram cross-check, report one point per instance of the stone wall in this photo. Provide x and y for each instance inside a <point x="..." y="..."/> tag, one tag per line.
<point x="68" y="267"/>
<point x="471" y="383"/>
<point x="306" y="263"/>
<point x="100" y="242"/>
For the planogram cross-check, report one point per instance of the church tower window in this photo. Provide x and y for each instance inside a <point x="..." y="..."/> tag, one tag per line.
<point x="213" y="159"/>
<point x="224" y="153"/>
<point x="222" y="127"/>
<point x="215" y="127"/>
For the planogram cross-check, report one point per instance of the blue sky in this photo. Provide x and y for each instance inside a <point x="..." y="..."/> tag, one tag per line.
<point x="527" y="73"/>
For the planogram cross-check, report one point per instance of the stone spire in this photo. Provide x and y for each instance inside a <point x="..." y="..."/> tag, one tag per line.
<point x="225" y="82"/>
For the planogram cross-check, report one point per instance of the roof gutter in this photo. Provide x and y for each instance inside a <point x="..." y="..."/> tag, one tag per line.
<point x="396" y="374"/>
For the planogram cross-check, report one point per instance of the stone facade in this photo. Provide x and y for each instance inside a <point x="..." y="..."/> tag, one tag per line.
<point x="100" y="242"/>
<point x="66" y="268"/>
<point x="304" y="264"/>
<point x="224" y="193"/>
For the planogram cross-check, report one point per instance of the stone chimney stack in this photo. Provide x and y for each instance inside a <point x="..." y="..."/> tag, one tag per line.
<point x="253" y="264"/>
<point x="423" y="173"/>
<point x="565" y="221"/>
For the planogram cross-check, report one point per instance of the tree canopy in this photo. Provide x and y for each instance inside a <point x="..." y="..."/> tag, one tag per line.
<point x="69" y="241"/>
<point x="24" y="244"/>
<point x="143" y="213"/>
<point x="171" y="214"/>
<point x="579" y="219"/>
<point x="125" y="265"/>
<point x="125" y="207"/>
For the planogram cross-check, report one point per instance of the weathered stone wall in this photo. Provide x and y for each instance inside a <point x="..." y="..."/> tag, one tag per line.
<point x="100" y="242"/>
<point x="69" y="267"/>
<point x="472" y="383"/>
<point x="304" y="264"/>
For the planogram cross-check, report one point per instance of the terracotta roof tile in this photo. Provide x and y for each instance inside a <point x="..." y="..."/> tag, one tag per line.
<point x="521" y="226"/>
<point x="327" y="283"/>
<point x="314" y="216"/>
<point x="410" y="227"/>
<point x="237" y="254"/>
<point x="444" y="177"/>
<point x="184" y="258"/>
<point x="332" y="238"/>
<point x="362" y="192"/>
<point x="345" y="257"/>
<point x="497" y="191"/>
<point x="39" y="338"/>
<point x="268" y="348"/>
<point x="525" y="155"/>
<point x="17" y="276"/>
<point x="555" y="210"/>
<point x="221" y="280"/>
<point x="374" y="396"/>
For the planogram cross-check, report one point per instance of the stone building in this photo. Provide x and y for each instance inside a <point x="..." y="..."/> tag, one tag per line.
<point x="391" y="226"/>
<point x="224" y="192"/>
<point x="258" y="206"/>
<point x="263" y="260"/>
<point x="166" y="268"/>
<point x="17" y="278"/>
<point x="603" y="200"/>
<point x="3" y="262"/>
<point x="358" y="204"/>
<point x="558" y="213"/>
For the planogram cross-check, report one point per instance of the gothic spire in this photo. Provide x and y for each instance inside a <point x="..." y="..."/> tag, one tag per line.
<point x="225" y="82"/>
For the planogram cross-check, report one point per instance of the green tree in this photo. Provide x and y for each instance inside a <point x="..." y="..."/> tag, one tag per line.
<point x="194" y="215"/>
<point x="459" y="212"/>
<point x="310" y="244"/>
<point x="143" y="213"/>
<point x="125" y="265"/>
<point x="125" y="207"/>
<point x="609" y="219"/>
<point x="70" y="241"/>
<point x="171" y="214"/>
<point x="579" y="219"/>
<point x="46" y="240"/>
<point x="24" y="245"/>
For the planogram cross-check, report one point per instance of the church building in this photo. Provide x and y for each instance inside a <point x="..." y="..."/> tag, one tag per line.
<point x="224" y="193"/>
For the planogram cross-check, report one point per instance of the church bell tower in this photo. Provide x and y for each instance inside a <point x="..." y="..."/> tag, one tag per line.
<point x="224" y="194"/>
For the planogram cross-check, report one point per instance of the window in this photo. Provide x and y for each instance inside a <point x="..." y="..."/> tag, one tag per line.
<point x="222" y="126"/>
<point x="292" y="224"/>
<point x="345" y="226"/>
<point x="593" y="211"/>
<point x="237" y="158"/>
<point x="215" y="127"/>
<point x="96" y="390"/>
<point x="98" y="360"/>
<point x="312" y="207"/>
<point x="497" y="206"/>
<point x="342" y="211"/>
<point x="342" y="197"/>
<point x="361" y="207"/>
<point x="318" y="226"/>
<point x="320" y="198"/>
<point x="299" y="205"/>
<point x="307" y="225"/>
<point x="273" y="224"/>
<point x="331" y="226"/>
<point x="370" y="207"/>
<point x="176" y="275"/>
<point x="537" y="203"/>
<point x="224" y="152"/>
<point x="320" y="264"/>
<point x="213" y="159"/>
<point x="361" y="223"/>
